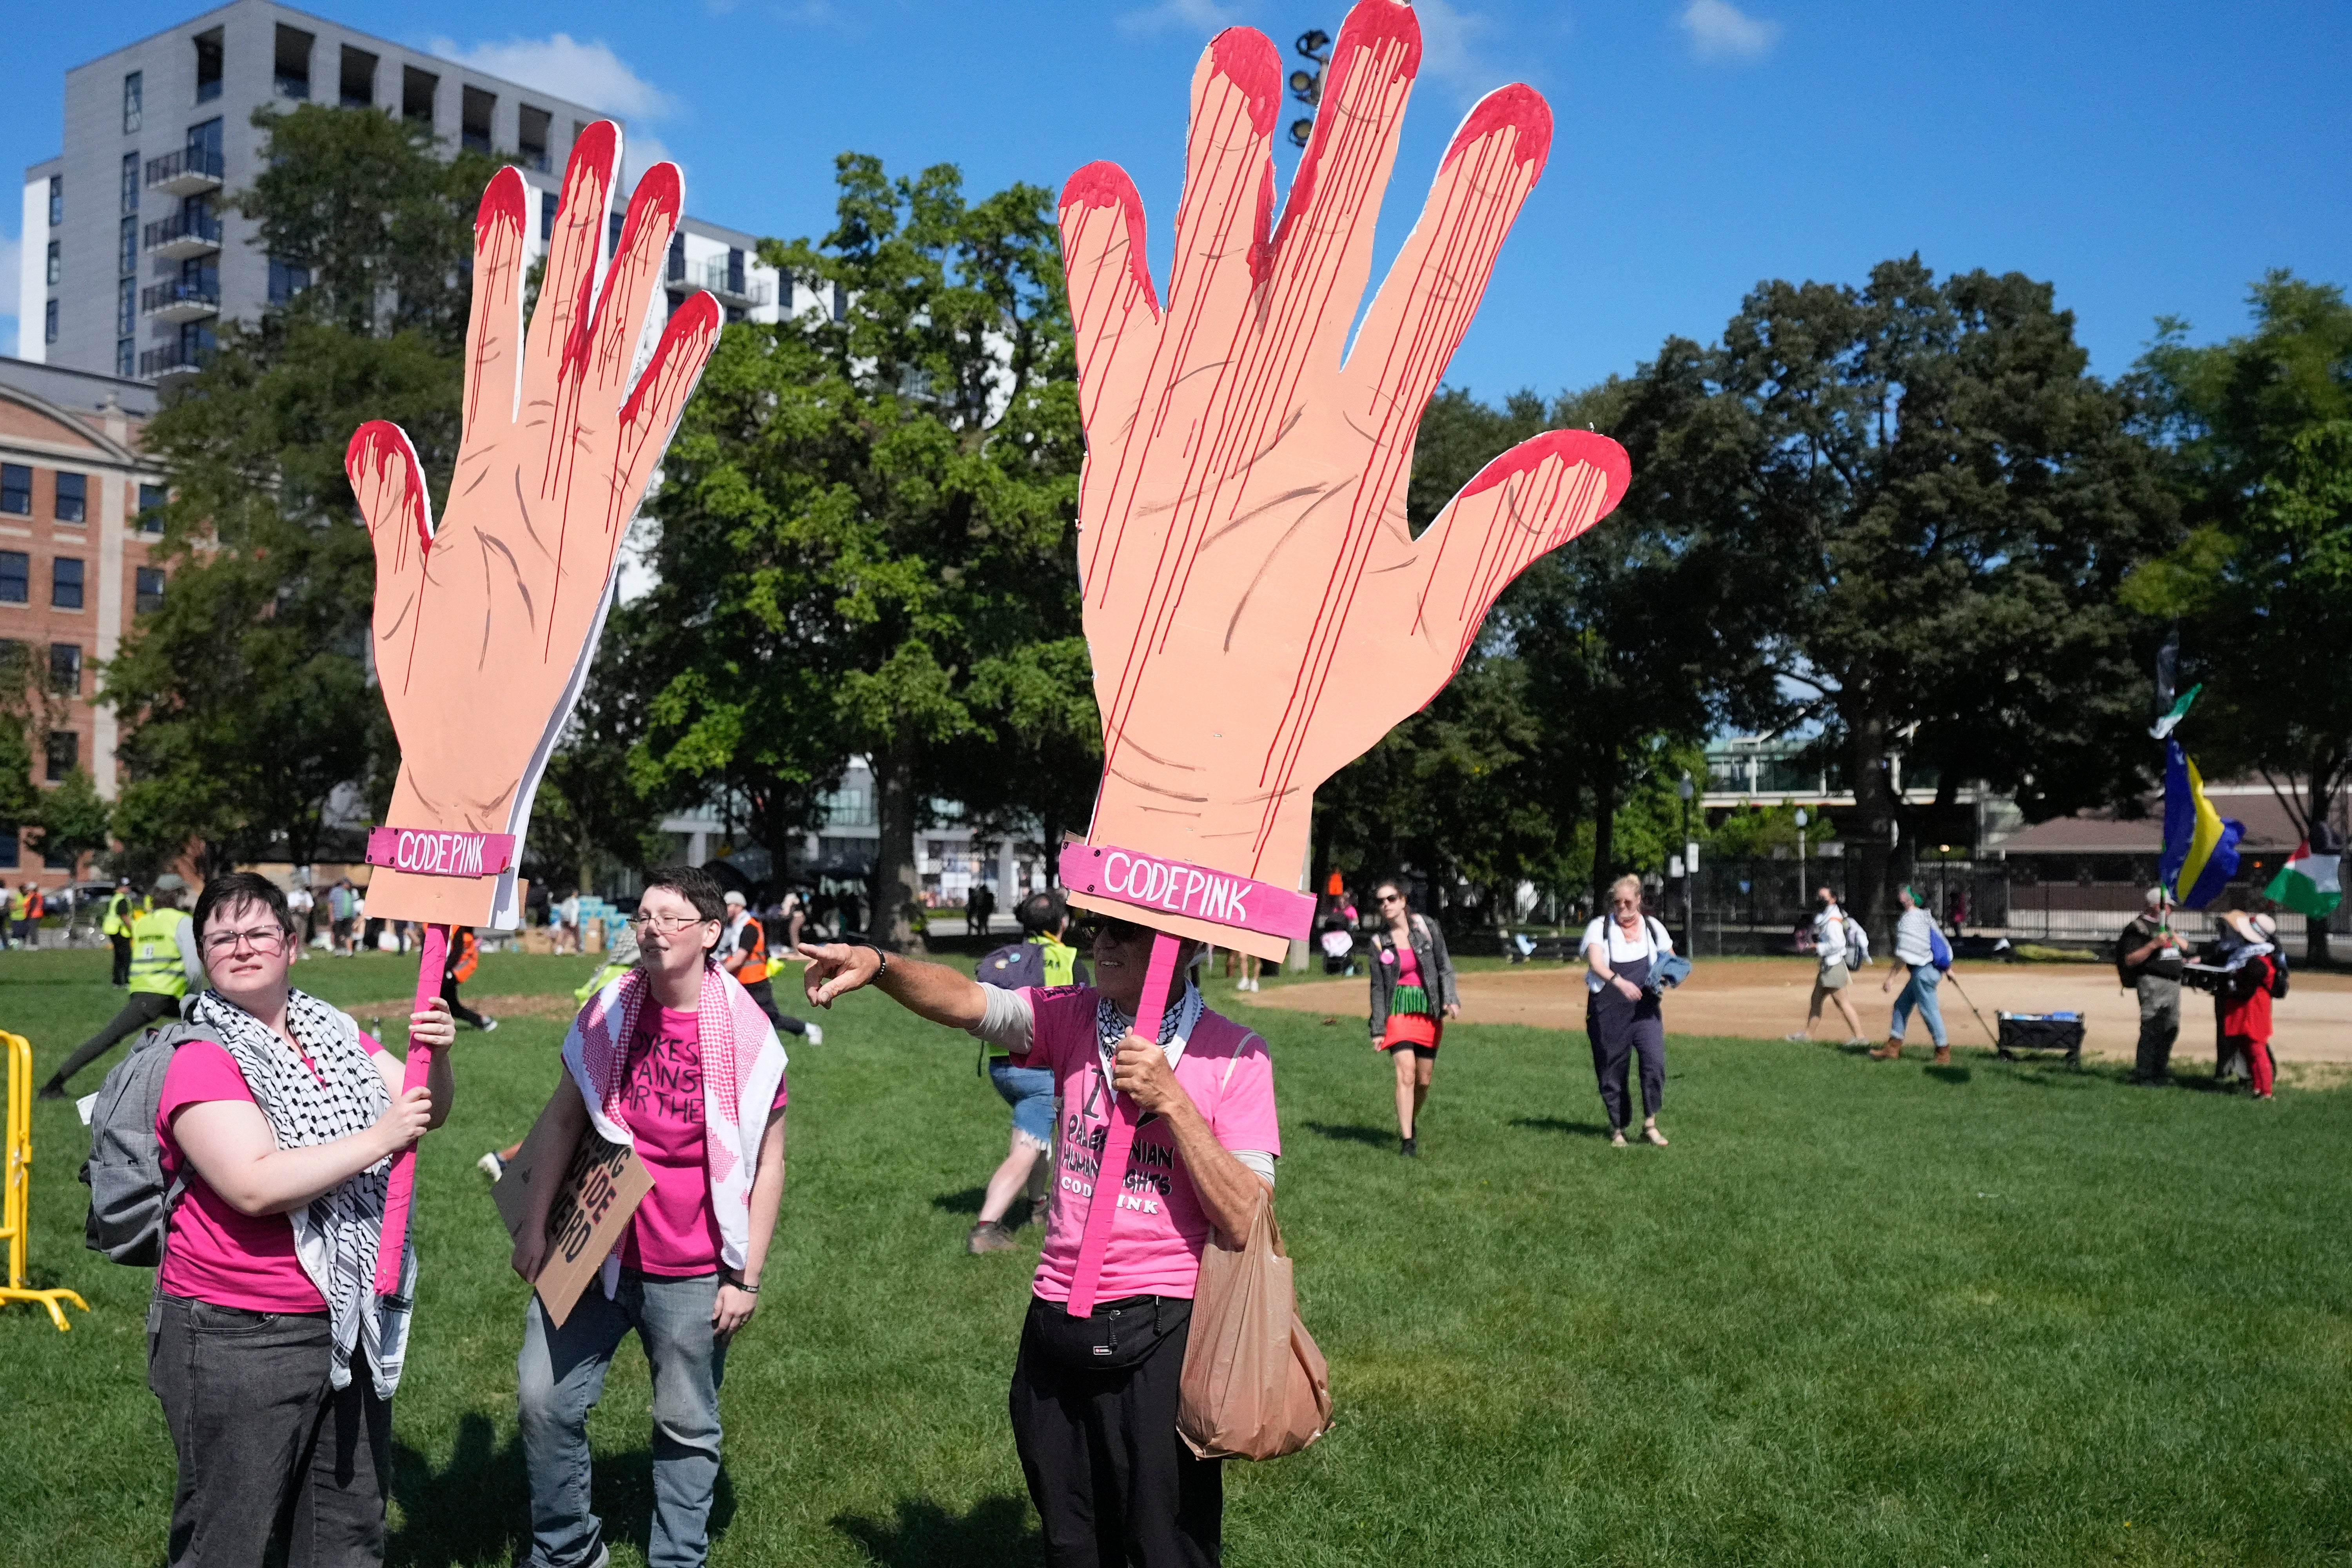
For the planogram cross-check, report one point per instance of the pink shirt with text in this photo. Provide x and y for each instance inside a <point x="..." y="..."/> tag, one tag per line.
<point x="215" y="1253"/>
<point x="675" y="1232"/>
<point x="1161" y="1227"/>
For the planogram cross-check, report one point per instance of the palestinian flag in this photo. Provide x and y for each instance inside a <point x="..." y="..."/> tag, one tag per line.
<point x="2308" y="884"/>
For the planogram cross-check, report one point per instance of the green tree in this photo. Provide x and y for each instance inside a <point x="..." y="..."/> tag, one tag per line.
<point x="2263" y="433"/>
<point x="245" y="700"/>
<point x="867" y="516"/>
<point x="1934" y="503"/>
<point x="73" y="820"/>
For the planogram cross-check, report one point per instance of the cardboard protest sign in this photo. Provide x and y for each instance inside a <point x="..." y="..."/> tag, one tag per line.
<point x="602" y="1183"/>
<point x="484" y="626"/>
<point x="1258" y="611"/>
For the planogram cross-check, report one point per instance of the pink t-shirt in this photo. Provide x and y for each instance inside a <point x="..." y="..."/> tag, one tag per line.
<point x="216" y="1253"/>
<point x="1155" y="1244"/>
<point x="1408" y="965"/>
<point x="675" y="1232"/>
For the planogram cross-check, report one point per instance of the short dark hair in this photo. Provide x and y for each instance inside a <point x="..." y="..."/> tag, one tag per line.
<point x="241" y="887"/>
<point x="696" y="887"/>
<point x="1042" y="912"/>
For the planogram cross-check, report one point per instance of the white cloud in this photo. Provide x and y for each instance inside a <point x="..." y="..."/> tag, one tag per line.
<point x="1721" y="31"/>
<point x="588" y="73"/>
<point x="1454" y="47"/>
<point x="1180" y="16"/>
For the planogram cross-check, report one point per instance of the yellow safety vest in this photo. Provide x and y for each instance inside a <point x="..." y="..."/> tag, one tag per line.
<point x="118" y="916"/>
<point x="155" y="953"/>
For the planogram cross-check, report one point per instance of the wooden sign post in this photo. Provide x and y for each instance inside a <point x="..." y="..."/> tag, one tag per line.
<point x="484" y="628"/>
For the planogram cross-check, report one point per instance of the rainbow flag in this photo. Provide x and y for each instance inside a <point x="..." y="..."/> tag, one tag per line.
<point x="2201" y="845"/>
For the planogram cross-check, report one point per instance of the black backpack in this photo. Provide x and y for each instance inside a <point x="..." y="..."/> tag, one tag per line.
<point x="1013" y="966"/>
<point x="129" y="1201"/>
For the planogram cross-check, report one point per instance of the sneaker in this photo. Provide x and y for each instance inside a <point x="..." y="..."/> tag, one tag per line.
<point x="1798" y="1039"/>
<point x="489" y="1024"/>
<point x="989" y="1235"/>
<point x="814" y="1034"/>
<point x="1411" y="1149"/>
<point x="491" y="1166"/>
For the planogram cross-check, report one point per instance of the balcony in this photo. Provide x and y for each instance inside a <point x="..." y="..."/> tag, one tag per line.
<point x="171" y="360"/>
<point x="180" y="301"/>
<point x="182" y="236"/>
<point x="714" y="275"/>
<point x="191" y="172"/>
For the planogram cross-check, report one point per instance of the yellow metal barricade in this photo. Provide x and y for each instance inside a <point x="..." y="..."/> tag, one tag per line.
<point x="16" y="1211"/>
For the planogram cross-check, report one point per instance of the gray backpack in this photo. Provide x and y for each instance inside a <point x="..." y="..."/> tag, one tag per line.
<point x="129" y="1201"/>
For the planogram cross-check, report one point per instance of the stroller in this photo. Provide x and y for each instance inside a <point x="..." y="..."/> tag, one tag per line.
<point x="1338" y="943"/>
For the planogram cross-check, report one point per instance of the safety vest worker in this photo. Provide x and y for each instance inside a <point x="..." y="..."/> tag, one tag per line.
<point x="118" y="916"/>
<point x="155" y="952"/>
<point x="750" y="951"/>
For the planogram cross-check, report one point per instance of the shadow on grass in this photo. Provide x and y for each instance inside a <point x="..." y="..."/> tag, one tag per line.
<point x="923" y="1534"/>
<point x="1352" y="1133"/>
<point x="965" y="1201"/>
<point x="1557" y="1124"/>
<point x="476" y="1509"/>
<point x="1950" y="1074"/>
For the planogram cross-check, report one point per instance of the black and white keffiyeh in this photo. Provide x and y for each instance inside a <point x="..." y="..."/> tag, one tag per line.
<point x="335" y="1234"/>
<point x="1176" y="1024"/>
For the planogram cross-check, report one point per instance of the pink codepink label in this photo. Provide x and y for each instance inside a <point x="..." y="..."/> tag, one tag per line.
<point x="431" y="852"/>
<point x="1151" y="882"/>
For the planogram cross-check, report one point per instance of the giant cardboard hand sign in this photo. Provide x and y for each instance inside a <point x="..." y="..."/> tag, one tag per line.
<point x="484" y="628"/>
<point x="1258" y="610"/>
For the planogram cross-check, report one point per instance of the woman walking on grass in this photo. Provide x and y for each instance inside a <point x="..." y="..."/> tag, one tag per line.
<point x="273" y="1356"/>
<point x="675" y="1060"/>
<point x="1412" y="996"/>
<point x="1622" y="1011"/>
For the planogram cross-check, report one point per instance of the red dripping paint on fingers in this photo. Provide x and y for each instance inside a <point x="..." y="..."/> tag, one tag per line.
<point x="1375" y="31"/>
<point x="689" y="331"/>
<point x="1517" y="107"/>
<point x="372" y="448"/>
<point x="503" y="207"/>
<point x="660" y="193"/>
<point x="1246" y="58"/>
<point x="1260" y="255"/>
<point x="1572" y="448"/>
<point x="1103" y="183"/>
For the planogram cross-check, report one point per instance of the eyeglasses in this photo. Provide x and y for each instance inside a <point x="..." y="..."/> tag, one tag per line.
<point x="1627" y="903"/>
<point x="668" y="925"/>
<point x="1392" y="897"/>
<point x="261" y="939"/>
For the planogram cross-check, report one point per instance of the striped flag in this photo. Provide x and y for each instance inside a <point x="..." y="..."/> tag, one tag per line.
<point x="2201" y="845"/>
<point x="2308" y="883"/>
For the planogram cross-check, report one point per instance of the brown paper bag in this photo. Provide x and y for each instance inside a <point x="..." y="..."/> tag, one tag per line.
<point x="1254" y="1385"/>
<point x="603" y="1184"/>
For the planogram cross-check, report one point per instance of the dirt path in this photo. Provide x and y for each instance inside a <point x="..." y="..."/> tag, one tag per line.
<point x="1764" y="998"/>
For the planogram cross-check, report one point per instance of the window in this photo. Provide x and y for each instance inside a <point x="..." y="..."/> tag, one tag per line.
<point x="150" y="594"/>
<point x="735" y="272"/>
<point x="676" y="257"/>
<point x="613" y="233"/>
<point x="126" y="357"/>
<point x="54" y="263"/>
<point x="358" y="84"/>
<point x="203" y="154"/>
<point x="64" y="754"/>
<point x="286" y="280"/>
<point x="132" y="95"/>
<point x="16" y="488"/>
<point x="127" y="246"/>
<point x="126" y="307"/>
<point x="546" y="216"/>
<point x="73" y="497"/>
<point x="292" y="77"/>
<point x="131" y="181"/>
<point x="208" y="65"/>
<point x="65" y="668"/>
<point x="532" y="138"/>
<point x="416" y="90"/>
<point x="65" y="583"/>
<point x="49" y="323"/>
<point x="15" y="573"/>
<point x="473" y="128"/>
<point x="56" y="200"/>
<point x="151" y="508"/>
<point x="8" y="848"/>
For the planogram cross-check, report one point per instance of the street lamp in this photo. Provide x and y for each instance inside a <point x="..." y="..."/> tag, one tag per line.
<point x="1690" y="864"/>
<point x="1802" y="820"/>
<point x="1306" y="86"/>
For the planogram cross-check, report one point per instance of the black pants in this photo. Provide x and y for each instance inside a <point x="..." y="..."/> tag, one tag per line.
<point x="144" y="1008"/>
<point x="267" y="1449"/>
<point x="1094" y="1418"/>
<point x="765" y="995"/>
<point x="1619" y="1029"/>
<point x="121" y="945"/>
<point x="457" y="1009"/>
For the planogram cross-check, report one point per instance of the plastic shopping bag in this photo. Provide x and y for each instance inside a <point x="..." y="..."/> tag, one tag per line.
<point x="1254" y="1385"/>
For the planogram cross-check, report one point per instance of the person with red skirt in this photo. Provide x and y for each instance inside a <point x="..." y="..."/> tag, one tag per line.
<point x="1412" y="996"/>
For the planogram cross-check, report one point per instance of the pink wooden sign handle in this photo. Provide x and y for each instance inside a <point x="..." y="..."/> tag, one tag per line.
<point x="1111" y="1173"/>
<point x="431" y="963"/>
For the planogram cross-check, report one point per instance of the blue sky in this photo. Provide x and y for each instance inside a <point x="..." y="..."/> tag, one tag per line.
<point x="2149" y="159"/>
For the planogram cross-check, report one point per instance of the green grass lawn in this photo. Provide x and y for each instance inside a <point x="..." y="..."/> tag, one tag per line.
<point x="1856" y="1314"/>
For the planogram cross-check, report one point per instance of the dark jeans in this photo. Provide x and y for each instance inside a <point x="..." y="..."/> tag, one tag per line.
<point x="121" y="945"/>
<point x="764" y="994"/>
<point x="142" y="1009"/>
<point x="1094" y="1419"/>
<point x="1621" y="1029"/>
<point x="265" y="1447"/>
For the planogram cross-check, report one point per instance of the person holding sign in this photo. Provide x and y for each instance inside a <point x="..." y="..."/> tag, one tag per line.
<point x="273" y="1356"/>
<point x="675" y="1060"/>
<point x="1093" y="1398"/>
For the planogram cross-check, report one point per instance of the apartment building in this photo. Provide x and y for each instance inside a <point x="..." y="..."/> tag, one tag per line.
<point x="77" y="510"/>
<point x="131" y="263"/>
